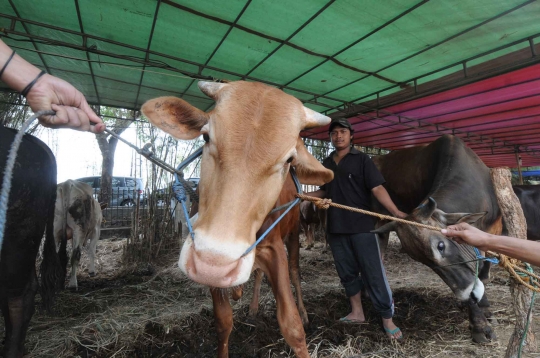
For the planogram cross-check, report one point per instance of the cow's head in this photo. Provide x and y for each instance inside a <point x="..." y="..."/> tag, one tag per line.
<point x="451" y="261"/>
<point x="252" y="139"/>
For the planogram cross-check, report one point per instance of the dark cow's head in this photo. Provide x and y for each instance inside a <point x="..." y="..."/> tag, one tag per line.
<point x="451" y="261"/>
<point x="252" y="139"/>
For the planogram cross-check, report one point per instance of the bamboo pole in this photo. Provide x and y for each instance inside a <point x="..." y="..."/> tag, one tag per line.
<point x="516" y="225"/>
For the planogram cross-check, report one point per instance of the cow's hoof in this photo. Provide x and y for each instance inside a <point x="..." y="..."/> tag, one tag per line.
<point x="485" y="336"/>
<point x="91" y="274"/>
<point x="252" y="313"/>
<point x="305" y="320"/>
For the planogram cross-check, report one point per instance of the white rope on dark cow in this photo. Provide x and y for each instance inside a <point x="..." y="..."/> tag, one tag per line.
<point x="8" y="170"/>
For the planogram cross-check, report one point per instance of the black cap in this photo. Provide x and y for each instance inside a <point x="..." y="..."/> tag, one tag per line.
<point x="343" y="122"/>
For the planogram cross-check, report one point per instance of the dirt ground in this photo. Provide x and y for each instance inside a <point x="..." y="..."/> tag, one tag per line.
<point x="155" y="312"/>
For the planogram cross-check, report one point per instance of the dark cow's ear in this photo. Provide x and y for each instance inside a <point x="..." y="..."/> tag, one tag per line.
<point x="456" y="218"/>
<point x="175" y="116"/>
<point x="391" y="226"/>
<point x="308" y="169"/>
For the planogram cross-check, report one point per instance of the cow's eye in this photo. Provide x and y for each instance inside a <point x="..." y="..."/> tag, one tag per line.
<point x="441" y="246"/>
<point x="206" y="137"/>
<point x="290" y="160"/>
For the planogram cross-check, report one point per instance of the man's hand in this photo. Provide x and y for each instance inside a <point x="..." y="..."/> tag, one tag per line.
<point x="72" y="110"/>
<point x="464" y="233"/>
<point x="400" y="214"/>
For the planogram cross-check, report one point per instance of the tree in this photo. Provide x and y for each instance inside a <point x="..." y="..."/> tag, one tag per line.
<point x="117" y="120"/>
<point x="14" y="111"/>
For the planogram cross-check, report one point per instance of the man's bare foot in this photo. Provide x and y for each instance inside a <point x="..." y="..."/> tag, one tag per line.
<point x="392" y="331"/>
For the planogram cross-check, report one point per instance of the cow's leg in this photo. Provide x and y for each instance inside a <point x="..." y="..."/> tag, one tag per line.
<point x="223" y="316"/>
<point x="20" y="310"/>
<point x="94" y="238"/>
<point x="237" y="292"/>
<point x="254" y="305"/>
<point x="480" y="329"/>
<point x="305" y="228"/>
<point x="5" y="313"/>
<point x="75" y="254"/>
<point x="311" y="238"/>
<point x="484" y="306"/>
<point x="273" y="260"/>
<point x="293" y="248"/>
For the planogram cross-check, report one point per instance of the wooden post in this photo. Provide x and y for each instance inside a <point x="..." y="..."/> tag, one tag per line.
<point x="517" y="227"/>
<point x="518" y="160"/>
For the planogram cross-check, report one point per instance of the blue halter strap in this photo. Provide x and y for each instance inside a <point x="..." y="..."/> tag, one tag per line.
<point x="291" y="205"/>
<point x="179" y="190"/>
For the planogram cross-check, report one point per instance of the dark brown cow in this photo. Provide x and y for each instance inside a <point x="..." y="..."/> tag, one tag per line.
<point x="441" y="184"/>
<point x="310" y="218"/>
<point x="529" y="197"/>
<point x="252" y="139"/>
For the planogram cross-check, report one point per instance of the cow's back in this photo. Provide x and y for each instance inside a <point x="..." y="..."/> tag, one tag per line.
<point x="529" y="197"/>
<point x="446" y="170"/>
<point x="31" y="202"/>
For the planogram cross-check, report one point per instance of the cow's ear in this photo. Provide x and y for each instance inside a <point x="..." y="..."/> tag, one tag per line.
<point x="308" y="169"/>
<point x="456" y="218"/>
<point x="175" y="116"/>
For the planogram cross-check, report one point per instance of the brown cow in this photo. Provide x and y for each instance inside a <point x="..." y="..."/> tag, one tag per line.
<point x="310" y="217"/>
<point x="252" y="139"/>
<point x="288" y="230"/>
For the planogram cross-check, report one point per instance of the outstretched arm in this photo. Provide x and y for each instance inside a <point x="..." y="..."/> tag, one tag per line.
<point x="384" y="198"/>
<point x="49" y="93"/>
<point x="525" y="250"/>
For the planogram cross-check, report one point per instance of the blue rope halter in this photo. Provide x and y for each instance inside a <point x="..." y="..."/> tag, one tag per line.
<point x="180" y="191"/>
<point x="291" y="205"/>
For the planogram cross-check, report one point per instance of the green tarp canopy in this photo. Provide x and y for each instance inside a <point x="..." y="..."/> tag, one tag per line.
<point x="344" y="58"/>
<point x="329" y="54"/>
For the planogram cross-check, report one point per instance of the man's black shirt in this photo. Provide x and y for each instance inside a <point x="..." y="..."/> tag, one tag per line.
<point x="354" y="177"/>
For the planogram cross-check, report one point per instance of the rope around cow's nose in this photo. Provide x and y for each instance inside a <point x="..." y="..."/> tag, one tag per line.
<point x="511" y="265"/>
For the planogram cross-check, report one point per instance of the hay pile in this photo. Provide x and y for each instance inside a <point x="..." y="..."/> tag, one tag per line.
<point x="155" y="312"/>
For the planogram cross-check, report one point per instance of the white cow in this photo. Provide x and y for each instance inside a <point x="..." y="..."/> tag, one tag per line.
<point x="77" y="215"/>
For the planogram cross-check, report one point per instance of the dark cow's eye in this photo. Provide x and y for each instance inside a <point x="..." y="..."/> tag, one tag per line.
<point x="290" y="160"/>
<point x="206" y="137"/>
<point x="440" y="246"/>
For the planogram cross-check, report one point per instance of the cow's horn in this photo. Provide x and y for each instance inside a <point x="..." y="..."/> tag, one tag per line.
<point x="211" y="89"/>
<point x="426" y="209"/>
<point x="315" y="119"/>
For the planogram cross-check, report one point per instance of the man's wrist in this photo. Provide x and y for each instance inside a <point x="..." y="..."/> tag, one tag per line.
<point x="19" y="73"/>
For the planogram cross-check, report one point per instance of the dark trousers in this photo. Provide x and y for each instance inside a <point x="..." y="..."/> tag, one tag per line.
<point x="359" y="253"/>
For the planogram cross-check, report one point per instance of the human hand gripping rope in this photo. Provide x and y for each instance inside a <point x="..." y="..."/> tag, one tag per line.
<point x="521" y="271"/>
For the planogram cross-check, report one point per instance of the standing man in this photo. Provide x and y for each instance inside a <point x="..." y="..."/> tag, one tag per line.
<point x="354" y="247"/>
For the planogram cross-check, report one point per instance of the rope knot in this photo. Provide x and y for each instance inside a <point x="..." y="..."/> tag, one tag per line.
<point x="323" y="203"/>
